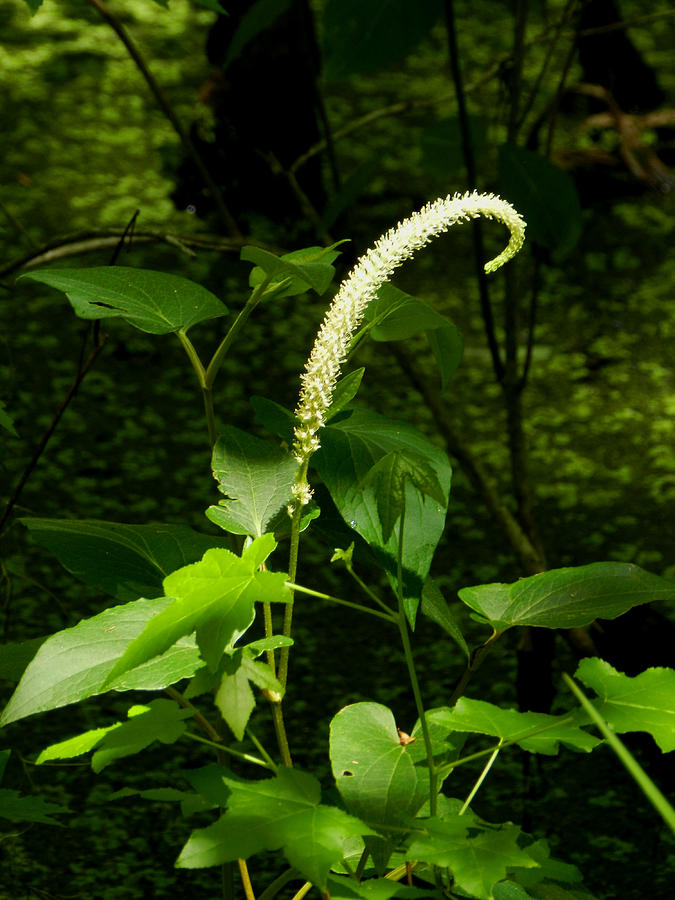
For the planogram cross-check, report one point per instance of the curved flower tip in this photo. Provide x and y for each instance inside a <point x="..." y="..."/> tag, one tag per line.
<point x="360" y="287"/>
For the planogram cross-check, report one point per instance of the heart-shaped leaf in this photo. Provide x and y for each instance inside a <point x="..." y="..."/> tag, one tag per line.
<point x="155" y="302"/>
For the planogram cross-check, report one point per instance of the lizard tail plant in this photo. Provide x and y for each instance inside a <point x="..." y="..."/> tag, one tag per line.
<point x="360" y="287"/>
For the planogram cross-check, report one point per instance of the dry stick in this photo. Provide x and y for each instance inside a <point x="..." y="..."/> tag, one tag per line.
<point x="119" y="29"/>
<point x="94" y="240"/>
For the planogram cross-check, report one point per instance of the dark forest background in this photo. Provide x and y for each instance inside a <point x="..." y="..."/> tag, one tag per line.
<point x="299" y="123"/>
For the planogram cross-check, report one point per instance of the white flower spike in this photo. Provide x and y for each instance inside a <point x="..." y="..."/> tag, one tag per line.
<point x="360" y="287"/>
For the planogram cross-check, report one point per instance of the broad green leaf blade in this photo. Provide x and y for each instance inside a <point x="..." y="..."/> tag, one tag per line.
<point x="256" y="476"/>
<point x="234" y="698"/>
<point x="395" y="316"/>
<point x="345" y="391"/>
<point x="547" y="867"/>
<point x="280" y="812"/>
<point x="28" y="809"/>
<point x="127" y="561"/>
<point x="215" y="598"/>
<point x="377" y="889"/>
<point x="477" y="861"/>
<point x="509" y="724"/>
<point x="388" y="479"/>
<point x="154" y="302"/>
<point x="349" y="449"/>
<point x="75" y="746"/>
<point x="436" y="607"/>
<point x="303" y="269"/>
<point x="361" y="36"/>
<point x="76" y="663"/>
<point x="543" y="194"/>
<point x="569" y="597"/>
<point x="162" y="720"/>
<point x="645" y="702"/>
<point x="379" y="778"/>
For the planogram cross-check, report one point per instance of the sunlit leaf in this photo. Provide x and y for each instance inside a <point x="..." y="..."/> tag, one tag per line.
<point x="256" y="476"/>
<point x="645" y="702"/>
<point x="283" y="812"/>
<point x="485" y="718"/>
<point x="76" y="663"/>
<point x="214" y="597"/>
<point x="155" y="302"/>
<point x="567" y="598"/>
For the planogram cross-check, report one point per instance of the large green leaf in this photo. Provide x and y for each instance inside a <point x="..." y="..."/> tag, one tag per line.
<point x="567" y="598"/>
<point x="127" y="561"/>
<point x="377" y="889"/>
<point x="543" y="194"/>
<point x="274" y="813"/>
<point x="214" y="597"/>
<point x="155" y="302"/>
<point x="388" y="479"/>
<point x="256" y="476"/>
<point x="362" y="36"/>
<point x="379" y="776"/>
<point x="645" y="702"/>
<point x="76" y="663"/>
<point x="350" y="446"/>
<point x="161" y="720"/>
<point x="477" y="862"/>
<point x="541" y="733"/>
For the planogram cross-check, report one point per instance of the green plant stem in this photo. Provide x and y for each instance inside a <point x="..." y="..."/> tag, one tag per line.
<point x="369" y="593"/>
<point x="261" y="750"/>
<point x="206" y="726"/>
<point x="304" y="890"/>
<point x="388" y="616"/>
<point x="481" y="779"/>
<point x="273" y="889"/>
<point x="224" y="749"/>
<point x="635" y="770"/>
<point x="412" y="672"/>
<point x="246" y="879"/>
<point x="224" y="346"/>
<point x="207" y="393"/>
